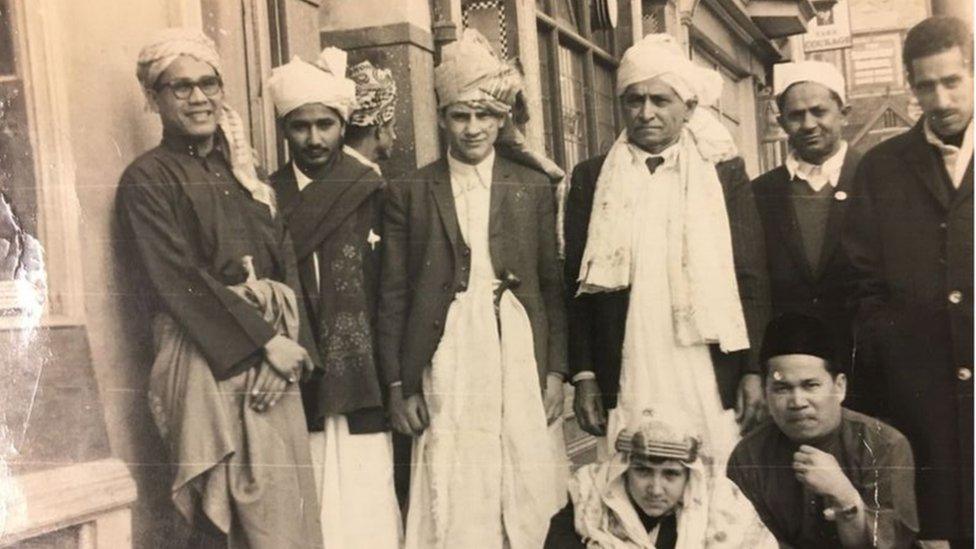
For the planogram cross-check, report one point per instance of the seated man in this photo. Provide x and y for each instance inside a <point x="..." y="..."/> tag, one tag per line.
<point x="820" y="475"/>
<point x="653" y="493"/>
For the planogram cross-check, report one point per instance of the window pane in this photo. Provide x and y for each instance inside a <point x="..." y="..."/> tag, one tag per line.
<point x="606" y="127"/>
<point x="573" y="115"/>
<point x="567" y="11"/>
<point x="547" y="93"/>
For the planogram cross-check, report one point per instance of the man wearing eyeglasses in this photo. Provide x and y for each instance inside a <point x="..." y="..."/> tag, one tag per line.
<point x="230" y="334"/>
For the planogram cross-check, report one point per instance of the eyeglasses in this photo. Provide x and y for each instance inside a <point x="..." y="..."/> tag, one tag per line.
<point x="183" y="89"/>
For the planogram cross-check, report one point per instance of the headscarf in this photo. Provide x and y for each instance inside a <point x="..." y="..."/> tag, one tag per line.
<point x="705" y="300"/>
<point x="821" y="72"/>
<point x="376" y="94"/>
<point x="470" y="72"/>
<point x="158" y="54"/>
<point x="298" y="83"/>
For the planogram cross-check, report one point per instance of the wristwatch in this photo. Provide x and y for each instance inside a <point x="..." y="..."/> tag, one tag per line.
<point x="832" y="514"/>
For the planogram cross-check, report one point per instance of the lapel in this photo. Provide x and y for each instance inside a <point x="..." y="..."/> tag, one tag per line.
<point x="335" y="193"/>
<point x="502" y="182"/>
<point x="965" y="190"/>
<point x="443" y="195"/>
<point x="919" y="156"/>
<point x="835" y="219"/>
<point x="784" y="217"/>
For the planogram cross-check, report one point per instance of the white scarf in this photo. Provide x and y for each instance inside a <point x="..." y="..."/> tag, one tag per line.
<point x="704" y="292"/>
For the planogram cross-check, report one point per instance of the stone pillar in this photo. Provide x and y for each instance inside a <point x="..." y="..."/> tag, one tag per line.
<point x="397" y="36"/>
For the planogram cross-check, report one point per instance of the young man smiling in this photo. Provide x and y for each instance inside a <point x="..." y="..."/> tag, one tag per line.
<point x="472" y="328"/>
<point x="820" y="475"/>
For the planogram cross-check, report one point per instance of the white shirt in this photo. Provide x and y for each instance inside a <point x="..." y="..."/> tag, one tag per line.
<point x="362" y="158"/>
<point x="956" y="159"/>
<point x="471" y="186"/>
<point x="304" y="181"/>
<point x="817" y="175"/>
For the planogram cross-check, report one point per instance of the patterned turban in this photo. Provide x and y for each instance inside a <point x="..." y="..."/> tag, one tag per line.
<point x="298" y="83"/>
<point x="660" y="56"/>
<point x="169" y="44"/>
<point x="659" y="435"/>
<point x="471" y="73"/>
<point x="376" y="94"/>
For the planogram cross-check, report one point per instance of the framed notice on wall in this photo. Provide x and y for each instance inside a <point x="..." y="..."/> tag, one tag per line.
<point x="830" y="30"/>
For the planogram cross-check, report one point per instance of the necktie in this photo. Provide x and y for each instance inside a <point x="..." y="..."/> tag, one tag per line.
<point x="653" y="163"/>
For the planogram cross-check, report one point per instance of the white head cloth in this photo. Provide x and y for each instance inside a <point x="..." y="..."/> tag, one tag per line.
<point x="158" y="54"/>
<point x="470" y="72"/>
<point x="821" y="72"/>
<point x="298" y="83"/>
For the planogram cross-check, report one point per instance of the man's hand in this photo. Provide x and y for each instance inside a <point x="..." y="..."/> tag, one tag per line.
<point x="288" y="358"/>
<point x="268" y="388"/>
<point x="588" y="407"/>
<point x="820" y="472"/>
<point x="553" y="398"/>
<point x="750" y="407"/>
<point x="408" y="415"/>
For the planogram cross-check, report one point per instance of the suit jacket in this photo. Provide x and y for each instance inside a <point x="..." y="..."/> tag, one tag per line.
<point x="314" y="215"/>
<point x="426" y="261"/>
<point x="597" y="321"/>
<point x="795" y="287"/>
<point x="909" y="239"/>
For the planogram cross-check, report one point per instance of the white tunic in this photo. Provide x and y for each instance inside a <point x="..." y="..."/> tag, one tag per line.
<point x="655" y="370"/>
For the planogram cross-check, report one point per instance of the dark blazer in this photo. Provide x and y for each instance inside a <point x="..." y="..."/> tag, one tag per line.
<point x="426" y="261"/>
<point x="597" y="321"/>
<point x="909" y="239"/>
<point x="795" y="287"/>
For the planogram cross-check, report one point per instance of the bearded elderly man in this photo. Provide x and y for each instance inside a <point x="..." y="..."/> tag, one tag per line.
<point x="472" y="326"/>
<point x="654" y="493"/>
<point x="803" y="203"/>
<point x="331" y="203"/>
<point x="665" y="256"/>
<point x="224" y="284"/>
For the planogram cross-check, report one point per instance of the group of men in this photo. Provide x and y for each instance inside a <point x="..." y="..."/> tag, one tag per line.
<point x="297" y="323"/>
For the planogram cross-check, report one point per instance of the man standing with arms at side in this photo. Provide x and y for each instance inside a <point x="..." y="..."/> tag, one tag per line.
<point x="910" y="242"/>
<point x="472" y="326"/>
<point x="331" y="203"/>
<point x="664" y="260"/>
<point x="803" y="203"/>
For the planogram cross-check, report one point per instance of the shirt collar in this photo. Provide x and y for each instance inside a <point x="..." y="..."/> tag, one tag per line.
<point x="471" y="173"/>
<point x="351" y="151"/>
<point x="182" y="144"/>
<point x="670" y="155"/>
<point x="935" y="140"/>
<point x="300" y="177"/>
<point x="817" y="175"/>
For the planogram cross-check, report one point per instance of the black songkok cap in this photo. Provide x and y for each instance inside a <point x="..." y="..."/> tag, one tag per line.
<point x="797" y="334"/>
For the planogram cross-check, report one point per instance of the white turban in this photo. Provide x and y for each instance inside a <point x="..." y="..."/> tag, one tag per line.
<point x="660" y="56"/>
<point x="169" y="44"/>
<point x="299" y="83"/>
<point x="470" y="72"/>
<point x="821" y="72"/>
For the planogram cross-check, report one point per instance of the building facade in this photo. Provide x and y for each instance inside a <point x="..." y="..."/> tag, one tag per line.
<point x="81" y="462"/>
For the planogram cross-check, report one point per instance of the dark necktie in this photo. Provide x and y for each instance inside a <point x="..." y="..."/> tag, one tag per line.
<point x="653" y="163"/>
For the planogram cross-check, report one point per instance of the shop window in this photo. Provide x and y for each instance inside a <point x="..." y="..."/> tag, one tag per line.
<point x="577" y="63"/>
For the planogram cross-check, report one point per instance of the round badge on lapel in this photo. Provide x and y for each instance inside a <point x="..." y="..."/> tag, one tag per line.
<point x="840" y="196"/>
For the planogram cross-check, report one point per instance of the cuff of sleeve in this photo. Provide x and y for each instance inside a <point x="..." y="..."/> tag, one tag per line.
<point x="584" y="375"/>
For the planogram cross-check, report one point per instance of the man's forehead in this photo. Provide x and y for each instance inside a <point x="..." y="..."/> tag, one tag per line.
<point x="941" y="64"/>
<point x="651" y="86"/>
<point x="807" y="94"/>
<point x="312" y="112"/>
<point x="186" y="67"/>
<point x="466" y="109"/>
<point x="643" y="463"/>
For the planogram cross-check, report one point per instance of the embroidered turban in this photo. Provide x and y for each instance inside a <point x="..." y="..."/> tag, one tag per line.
<point x="298" y="83"/>
<point x="169" y="44"/>
<point x="821" y="72"/>
<point x="376" y="94"/>
<point x="660" y="56"/>
<point x="470" y="72"/>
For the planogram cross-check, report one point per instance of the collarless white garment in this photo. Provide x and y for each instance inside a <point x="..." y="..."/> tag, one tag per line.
<point x="817" y="175"/>
<point x="471" y="187"/>
<point x="304" y="181"/>
<point x="362" y="158"/>
<point x="956" y="159"/>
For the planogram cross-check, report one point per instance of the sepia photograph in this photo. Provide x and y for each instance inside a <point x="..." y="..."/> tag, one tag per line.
<point x="486" y="274"/>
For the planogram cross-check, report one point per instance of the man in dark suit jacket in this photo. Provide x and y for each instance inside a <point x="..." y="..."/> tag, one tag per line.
<point x="803" y="203"/>
<point x="656" y="111"/>
<point x="472" y="327"/>
<point x="910" y="242"/>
